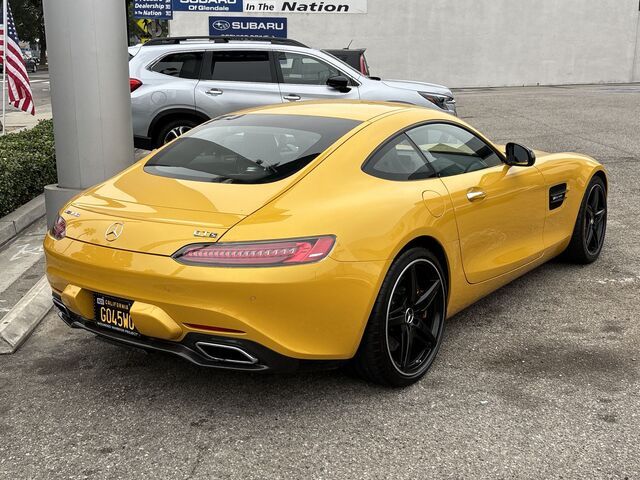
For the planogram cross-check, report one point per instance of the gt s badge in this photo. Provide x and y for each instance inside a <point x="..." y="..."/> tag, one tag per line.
<point x="204" y="233"/>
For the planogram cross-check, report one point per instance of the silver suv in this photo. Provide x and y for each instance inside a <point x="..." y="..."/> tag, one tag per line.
<point x="177" y="83"/>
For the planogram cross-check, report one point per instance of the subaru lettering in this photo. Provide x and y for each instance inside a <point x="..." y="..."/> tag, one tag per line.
<point x="258" y="25"/>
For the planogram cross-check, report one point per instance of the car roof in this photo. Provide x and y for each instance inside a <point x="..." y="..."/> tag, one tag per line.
<point x="233" y="45"/>
<point x="347" y="109"/>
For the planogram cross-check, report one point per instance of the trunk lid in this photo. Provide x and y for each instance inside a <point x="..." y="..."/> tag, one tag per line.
<point x="163" y="223"/>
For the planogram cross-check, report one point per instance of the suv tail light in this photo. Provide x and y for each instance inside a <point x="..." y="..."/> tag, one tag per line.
<point x="59" y="228"/>
<point x="255" y="254"/>
<point x="134" y="84"/>
<point x="364" y="68"/>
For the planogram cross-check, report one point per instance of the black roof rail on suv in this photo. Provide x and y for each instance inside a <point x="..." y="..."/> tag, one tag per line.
<point x="224" y="39"/>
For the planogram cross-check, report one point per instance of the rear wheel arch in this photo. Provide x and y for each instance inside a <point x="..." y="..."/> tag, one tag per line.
<point x="375" y="358"/>
<point x="435" y="247"/>
<point x="167" y="116"/>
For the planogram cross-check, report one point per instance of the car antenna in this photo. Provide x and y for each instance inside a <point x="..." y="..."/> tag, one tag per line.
<point x="348" y="46"/>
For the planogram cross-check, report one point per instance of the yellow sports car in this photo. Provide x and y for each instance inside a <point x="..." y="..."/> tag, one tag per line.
<point x="316" y="234"/>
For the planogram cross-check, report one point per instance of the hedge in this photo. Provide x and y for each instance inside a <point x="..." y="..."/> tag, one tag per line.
<point x="27" y="164"/>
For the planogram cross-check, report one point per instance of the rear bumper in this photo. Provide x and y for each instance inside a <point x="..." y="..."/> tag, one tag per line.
<point x="202" y="350"/>
<point x="308" y="312"/>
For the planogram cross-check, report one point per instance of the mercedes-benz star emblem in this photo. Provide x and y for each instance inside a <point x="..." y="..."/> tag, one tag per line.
<point x="410" y="316"/>
<point x="114" y="231"/>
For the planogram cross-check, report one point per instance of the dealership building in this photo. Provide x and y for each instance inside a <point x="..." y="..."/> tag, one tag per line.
<point x="459" y="43"/>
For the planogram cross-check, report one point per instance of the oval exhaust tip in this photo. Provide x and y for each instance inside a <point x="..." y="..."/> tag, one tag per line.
<point x="226" y="353"/>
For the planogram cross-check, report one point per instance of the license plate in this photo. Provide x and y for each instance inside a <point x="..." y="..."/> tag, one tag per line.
<point x="113" y="313"/>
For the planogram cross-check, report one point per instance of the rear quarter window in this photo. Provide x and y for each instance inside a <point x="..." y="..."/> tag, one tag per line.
<point x="181" y="65"/>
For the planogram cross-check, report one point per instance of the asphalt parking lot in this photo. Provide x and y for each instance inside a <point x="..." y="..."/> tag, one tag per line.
<point x="539" y="380"/>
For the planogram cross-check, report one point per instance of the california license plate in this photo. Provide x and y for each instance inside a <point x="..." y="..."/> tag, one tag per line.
<point x="113" y="313"/>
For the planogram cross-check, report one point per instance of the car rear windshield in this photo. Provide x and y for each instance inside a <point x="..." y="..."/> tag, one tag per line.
<point x="253" y="148"/>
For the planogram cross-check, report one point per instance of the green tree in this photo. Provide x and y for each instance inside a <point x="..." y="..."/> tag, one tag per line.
<point x="29" y="19"/>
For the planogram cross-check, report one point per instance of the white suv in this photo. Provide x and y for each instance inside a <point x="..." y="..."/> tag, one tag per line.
<point x="180" y="82"/>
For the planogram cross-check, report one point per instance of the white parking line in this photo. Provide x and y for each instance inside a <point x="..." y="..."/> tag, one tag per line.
<point x="18" y="257"/>
<point x="619" y="281"/>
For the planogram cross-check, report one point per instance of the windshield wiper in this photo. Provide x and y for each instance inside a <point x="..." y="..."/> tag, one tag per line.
<point x="268" y="167"/>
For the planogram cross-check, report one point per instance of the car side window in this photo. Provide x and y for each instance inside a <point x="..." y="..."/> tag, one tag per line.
<point x="452" y="150"/>
<point x="241" y="66"/>
<point x="398" y="159"/>
<point x="304" y="70"/>
<point x="182" y="65"/>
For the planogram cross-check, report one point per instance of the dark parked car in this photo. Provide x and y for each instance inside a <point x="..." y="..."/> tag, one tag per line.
<point x="31" y="64"/>
<point x="353" y="57"/>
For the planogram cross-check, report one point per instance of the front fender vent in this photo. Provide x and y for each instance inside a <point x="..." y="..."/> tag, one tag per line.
<point x="557" y="194"/>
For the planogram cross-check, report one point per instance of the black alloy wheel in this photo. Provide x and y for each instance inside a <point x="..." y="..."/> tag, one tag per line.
<point x="406" y="325"/>
<point x="591" y="225"/>
<point x="414" y="316"/>
<point x="595" y="219"/>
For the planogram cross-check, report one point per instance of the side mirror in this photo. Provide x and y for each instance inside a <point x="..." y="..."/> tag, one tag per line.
<point x="339" y="82"/>
<point x="519" y="155"/>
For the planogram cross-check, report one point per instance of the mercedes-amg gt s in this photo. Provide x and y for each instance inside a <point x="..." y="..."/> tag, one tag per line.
<point x="315" y="234"/>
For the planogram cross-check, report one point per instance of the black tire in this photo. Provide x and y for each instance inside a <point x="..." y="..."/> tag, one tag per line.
<point x="591" y="225"/>
<point x="382" y="357"/>
<point x="172" y="129"/>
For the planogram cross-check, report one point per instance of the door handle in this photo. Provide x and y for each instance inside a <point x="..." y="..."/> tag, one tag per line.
<point x="474" y="195"/>
<point x="292" y="97"/>
<point x="214" y="92"/>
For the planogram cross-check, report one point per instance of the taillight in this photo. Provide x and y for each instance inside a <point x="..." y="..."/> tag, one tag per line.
<point x="134" y="84"/>
<point x="363" y="66"/>
<point x="59" y="228"/>
<point x="270" y="253"/>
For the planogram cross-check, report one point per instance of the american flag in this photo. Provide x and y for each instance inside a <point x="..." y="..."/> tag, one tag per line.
<point x="17" y="78"/>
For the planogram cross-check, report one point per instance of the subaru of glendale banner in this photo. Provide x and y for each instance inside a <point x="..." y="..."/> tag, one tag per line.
<point x="248" y="26"/>
<point x="207" y="5"/>
<point x="153" y="9"/>
<point x="289" y="6"/>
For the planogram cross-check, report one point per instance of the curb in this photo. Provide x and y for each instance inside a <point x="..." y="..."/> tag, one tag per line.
<point x="15" y="222"/>
<point x="25" y="316"/>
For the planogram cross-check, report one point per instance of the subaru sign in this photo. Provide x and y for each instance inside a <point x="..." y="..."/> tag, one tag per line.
<point x="207" y="5"/>
<point x="153" y="9"/>
<point x="249" y="26"/>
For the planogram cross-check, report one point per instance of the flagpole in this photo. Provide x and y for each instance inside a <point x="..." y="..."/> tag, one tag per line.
<point x="4" y="67"/>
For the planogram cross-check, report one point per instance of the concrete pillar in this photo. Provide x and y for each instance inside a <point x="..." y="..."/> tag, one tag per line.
<point x="90" y="99"/>
<point x="635" y="71"/>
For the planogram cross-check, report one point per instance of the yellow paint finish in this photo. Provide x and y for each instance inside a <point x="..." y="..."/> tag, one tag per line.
<point x="78" y="300"/>
<point x="317" y="310"/>
<point x="152" y="321"/>
<point x="503" y="230"/>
